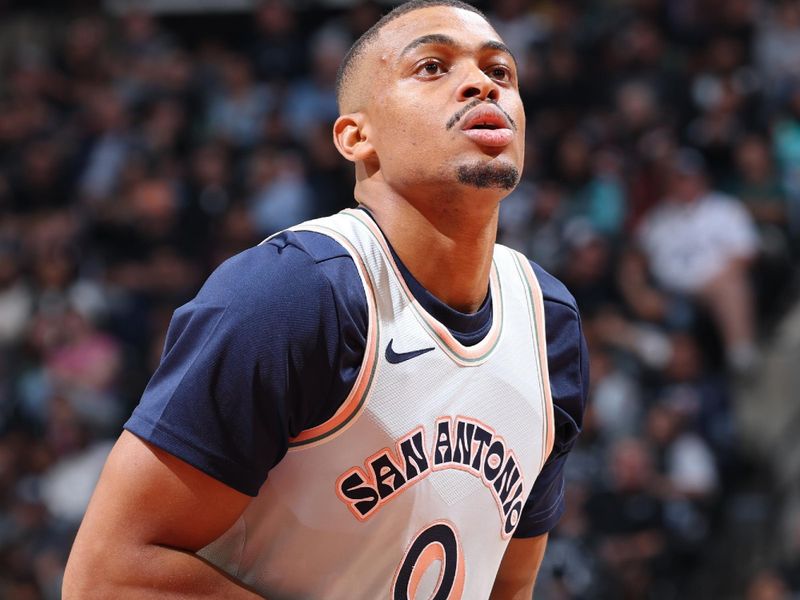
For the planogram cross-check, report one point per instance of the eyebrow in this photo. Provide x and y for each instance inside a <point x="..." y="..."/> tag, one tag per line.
<point x="445" y="40"/>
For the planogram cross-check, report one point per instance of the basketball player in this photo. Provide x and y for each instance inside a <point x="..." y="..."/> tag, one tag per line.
<point x="375" y="404"/>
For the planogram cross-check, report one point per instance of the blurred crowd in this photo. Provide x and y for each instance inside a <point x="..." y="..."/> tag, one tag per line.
<point x="662" y="185"/>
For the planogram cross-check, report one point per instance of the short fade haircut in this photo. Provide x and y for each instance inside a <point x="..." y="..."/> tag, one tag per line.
<point x="357" y="49"/>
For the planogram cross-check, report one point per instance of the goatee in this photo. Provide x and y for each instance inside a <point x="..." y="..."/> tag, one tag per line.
<point x="484" y="176"/>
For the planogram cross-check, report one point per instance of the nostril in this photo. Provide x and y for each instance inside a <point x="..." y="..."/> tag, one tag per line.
<point x="471" y="92"/>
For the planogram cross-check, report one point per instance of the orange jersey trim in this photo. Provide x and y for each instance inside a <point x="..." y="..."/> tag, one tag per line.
<point x="536" y="304"/>
<point x="463" y="355"/>
<point x="355" y="401"/>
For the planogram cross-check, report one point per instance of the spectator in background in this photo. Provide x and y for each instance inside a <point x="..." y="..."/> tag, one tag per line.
<point x="145" y="246"/>
<point x="759" y="186"/>
<point x="642" y="57"/>
<point x="162" y="133"/>
<point x="701" y="398"/>
<point x="354" y="22"/>
<point x="108" y="145"/>
<point x="701" y="243"/>
<point x="84" y="59"/>
<point x="532" y="220"/>
<point x="208" y="192"/>
<point x="328" y="176"/>
<point x="591" y="178"/>
<point x="143" y="49"/>
<point x="686" y="462"/>
<point x="279" y="193"/>
<point x="686" y="481"/>
<point x="757" y="183"/>
<point x="238" y="111"/>
<point x="277" y="47"/>
<point x="566" y="92"/>
<point x="311" y="100"/>
<point x="786" y="146"/>
<point x="724" y="92"/>
<point x="628" y="521"/>
<point x="617" y="402"/>
<point x="588" y="266"/>
<point x="39" y="181"/>
<point x="777" y="46"/>
<point x="768" y="584"/>
<point x="142" y="37"/>
<point x="519" y="26"/>
<point x="16" y="301"/>
<point x="361" y="16"/>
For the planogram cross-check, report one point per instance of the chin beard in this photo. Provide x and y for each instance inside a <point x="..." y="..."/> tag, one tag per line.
<point x="485" y="176"/>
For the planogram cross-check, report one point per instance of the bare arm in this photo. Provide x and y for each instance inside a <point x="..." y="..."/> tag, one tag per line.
<point x="518" y="569"/>
<point x="149" y="513"/>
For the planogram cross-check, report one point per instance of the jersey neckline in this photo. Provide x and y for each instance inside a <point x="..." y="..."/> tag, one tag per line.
<point x="468" y="329"/>
<point x="472" y="355"/>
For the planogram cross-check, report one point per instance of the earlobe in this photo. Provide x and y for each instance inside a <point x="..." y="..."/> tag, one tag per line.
<point x="351" y="139"/>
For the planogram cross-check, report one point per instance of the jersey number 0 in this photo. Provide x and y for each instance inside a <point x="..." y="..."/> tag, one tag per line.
<point x="437" y="542"/>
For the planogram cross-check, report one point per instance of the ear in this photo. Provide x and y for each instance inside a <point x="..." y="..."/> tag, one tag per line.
<point x="351" y="139"/>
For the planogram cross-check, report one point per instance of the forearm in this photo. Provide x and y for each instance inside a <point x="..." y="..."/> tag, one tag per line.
<point x="151" y="571"/>
<point x="510" y="592"/>
<point x="517" y="574"/>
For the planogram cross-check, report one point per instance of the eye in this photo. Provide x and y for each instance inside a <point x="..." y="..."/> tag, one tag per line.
<point x="430" y="68"/>
<point x="499" y="73"/>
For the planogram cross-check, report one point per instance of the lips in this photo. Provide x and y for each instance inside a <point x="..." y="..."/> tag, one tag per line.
<point x="486" y="125"/>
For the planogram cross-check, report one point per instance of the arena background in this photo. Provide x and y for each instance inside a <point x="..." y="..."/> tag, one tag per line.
<point x="144" y="142"/>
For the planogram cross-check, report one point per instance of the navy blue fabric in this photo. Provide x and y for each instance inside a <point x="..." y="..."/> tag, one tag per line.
<point x="272" y="344"/>
<point x="568" y="365"/>
<point x="268" y="347"/>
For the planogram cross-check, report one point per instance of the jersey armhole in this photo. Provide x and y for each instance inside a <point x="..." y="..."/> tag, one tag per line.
<point x="536" y="303"/>
<point x="353" y="404"/>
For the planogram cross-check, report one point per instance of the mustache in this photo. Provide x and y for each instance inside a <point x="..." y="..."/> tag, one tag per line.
<point x="469" y="106"/>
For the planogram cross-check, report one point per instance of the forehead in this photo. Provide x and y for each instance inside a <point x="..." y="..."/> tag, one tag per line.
<point x="465" y="26"/>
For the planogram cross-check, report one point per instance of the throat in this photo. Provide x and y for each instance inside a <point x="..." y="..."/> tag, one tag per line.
<point x="446" y="245"/>
<point x="453" y="268"/>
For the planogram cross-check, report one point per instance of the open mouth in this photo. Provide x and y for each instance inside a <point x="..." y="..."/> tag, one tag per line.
<point x="488" y="127"/>
<point x="486" y="118"/>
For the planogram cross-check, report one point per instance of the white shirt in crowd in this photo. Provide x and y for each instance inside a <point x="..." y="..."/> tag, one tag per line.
<point x="688" y="244"/>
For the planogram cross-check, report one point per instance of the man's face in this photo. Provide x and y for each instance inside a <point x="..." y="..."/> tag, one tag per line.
<point x="686" y="187"/>
<point x="444" y="106"/>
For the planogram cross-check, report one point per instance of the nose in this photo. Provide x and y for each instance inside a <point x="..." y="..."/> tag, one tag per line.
<point x="478" y="84"/>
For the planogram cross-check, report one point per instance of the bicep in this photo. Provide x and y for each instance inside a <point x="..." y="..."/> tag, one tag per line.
<point x="146" y="496"/>
<point x="518" y="569"/>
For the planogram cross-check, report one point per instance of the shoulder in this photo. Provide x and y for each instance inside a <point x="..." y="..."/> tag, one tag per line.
<point x="289" y="266"/>
<point x="718" y="203"/>
<point x="553" y="291"/>
<point x="560" y="307"/>
<point x="659" y="216"/>
<point x="297" y="286"/>
<point x="562" y="321"/>
<point x="718" y="198"/>
<point x="262" y="352"/>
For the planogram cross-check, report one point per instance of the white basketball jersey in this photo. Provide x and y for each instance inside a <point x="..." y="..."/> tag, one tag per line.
<point x="414" y="487"/>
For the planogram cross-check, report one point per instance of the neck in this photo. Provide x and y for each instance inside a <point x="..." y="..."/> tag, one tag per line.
<point x="446" y="244"/>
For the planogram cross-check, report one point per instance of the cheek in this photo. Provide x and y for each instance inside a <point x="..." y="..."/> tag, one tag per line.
<point x="407" y="125"/>
<point x="519" y="115"/>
